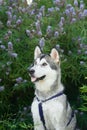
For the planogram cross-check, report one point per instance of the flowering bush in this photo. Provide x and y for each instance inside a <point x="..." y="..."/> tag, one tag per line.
<point x="84" y="97"/>
<point x="83" y="91"/>
<point x="83" y="106"/>
<point x="56" y="23"/>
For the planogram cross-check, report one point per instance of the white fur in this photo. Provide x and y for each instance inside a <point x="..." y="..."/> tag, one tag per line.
<point x="55" y="115"/>
<point x="44" y="85"/>
<point x="56" y="111"/>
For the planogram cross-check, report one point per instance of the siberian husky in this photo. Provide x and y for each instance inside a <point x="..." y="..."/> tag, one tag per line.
<point x="50" y="108"/>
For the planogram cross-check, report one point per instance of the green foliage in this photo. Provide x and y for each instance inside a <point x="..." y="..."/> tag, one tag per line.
<point x="82" y="114"/>
<point x="8" y="125"/>
<point x="84" y="98"/>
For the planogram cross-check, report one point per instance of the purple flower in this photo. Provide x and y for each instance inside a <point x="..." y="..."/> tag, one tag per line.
<point x="71" y="9"/>
<point x="24" y="81"/>
<point x="10" y="9"/>
<point x="9" y="15"/>
<point x="25" y="108"/>
<point x="0" y="42"/>
<point x="14" y="17"/>
<point x="79" y="51"/>
<point x="50" y="10"/>
<point x="23" y="10"/>
<point x="19" y="80"/>
<point x="81" y="45"/>
<point x="2" y="47"/>
<point x="81" y="5"/>
<point x="16" y="85"/>
<point x="69" y="52"/>
<point x="14" y="55"/>
<point x="68" y="6"/>
<point x="61" y="30"/>
<point x="62" y="51"/>
<point x="80" y="15"/>
<point x="49" y="30"/>
<point x="73" y="14"/>
<point x="10" y="46"/>
<point x="28" y="32"/>
<point x="60" y="24"/>
<point x="81" y="113"/>
<point x="79" y="40"/>
<point x="8" y="23"/>
<point x="9" y="63"/>
<point x="39" y="33"/>
<point x="18" y="22"/>
<point x="32" y="12"/>
<point x="18" y="39"/>
<point x="73" y="20"/>
<point x="56" y="34"/>
<point x="7" y="73"/>
<point x="2" y="88"/>
<point x="9" y="33"/>
<point x="42" y="10"/>
<point x="82" y="62"/>
<point x="76" y="3"/>
<point x="58" y="46"/>
<point x="67" y="12"/>
<point x="62" y="19"/>
<point x="85" y="52"/>
<point x="38" y="25"/>
<point x="57" y="9"/>
<point x="10" y="1"/>
<point x="39" y="16"/>
<point x="42" y="42"/>
<point x="1" y="2"/>
<point x="58" y="2"/>
<point x="85" y="12"/>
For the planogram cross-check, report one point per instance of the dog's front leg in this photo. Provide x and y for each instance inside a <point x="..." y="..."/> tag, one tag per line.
<point x="38" y="127"/>
<point x="60" y="128"/>
<point x="37" y="123"/>
<point x="36" y="117"/>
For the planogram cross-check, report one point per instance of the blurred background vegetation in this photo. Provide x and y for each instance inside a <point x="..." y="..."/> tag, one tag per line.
<point x="53" y="23"/>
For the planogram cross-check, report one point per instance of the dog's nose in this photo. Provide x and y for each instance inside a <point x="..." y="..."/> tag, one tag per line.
<point x="31" y="71"/>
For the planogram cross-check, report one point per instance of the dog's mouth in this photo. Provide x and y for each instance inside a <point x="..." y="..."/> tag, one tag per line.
<point x="35" y="79"/>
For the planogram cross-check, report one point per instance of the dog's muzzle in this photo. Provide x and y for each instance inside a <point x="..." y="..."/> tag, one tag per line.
<point x="33" y="77"/>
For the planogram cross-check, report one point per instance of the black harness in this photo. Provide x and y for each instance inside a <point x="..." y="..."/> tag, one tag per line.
<point x="40" y="108"/>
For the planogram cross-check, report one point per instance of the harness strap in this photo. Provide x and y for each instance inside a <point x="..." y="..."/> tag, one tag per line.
<point x="40" y="108"/>
<point x="57" y="95"/>
<point x="41" y="115"/>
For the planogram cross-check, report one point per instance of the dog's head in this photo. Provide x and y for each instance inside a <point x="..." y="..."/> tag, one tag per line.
<point x="45" y="67"/>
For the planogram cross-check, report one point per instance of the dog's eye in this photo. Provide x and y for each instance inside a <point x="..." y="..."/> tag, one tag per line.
<point x="44" y="64"/>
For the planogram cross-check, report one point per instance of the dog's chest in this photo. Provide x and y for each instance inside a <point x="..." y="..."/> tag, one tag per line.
<point x="51" y="109"/>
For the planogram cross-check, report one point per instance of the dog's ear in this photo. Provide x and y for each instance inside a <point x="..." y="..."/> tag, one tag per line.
<point x="54" y="55"/>
<point x="37" y="52"/>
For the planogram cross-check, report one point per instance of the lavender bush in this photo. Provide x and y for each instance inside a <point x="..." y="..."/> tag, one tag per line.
<point x="52" y="23"/>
